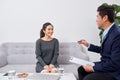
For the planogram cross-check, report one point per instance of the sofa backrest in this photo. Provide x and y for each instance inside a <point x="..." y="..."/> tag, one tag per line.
<point x="20" y="53"/>
<point x="24" y="53"/>
<point x="68" y="49"/>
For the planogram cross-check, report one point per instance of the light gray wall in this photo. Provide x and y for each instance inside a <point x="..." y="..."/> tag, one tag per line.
<point x="21" y="20"/>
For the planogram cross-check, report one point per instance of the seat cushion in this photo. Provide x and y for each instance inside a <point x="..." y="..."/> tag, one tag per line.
<point x="21" y="59"/>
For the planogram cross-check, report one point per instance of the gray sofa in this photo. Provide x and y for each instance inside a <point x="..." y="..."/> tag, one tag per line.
<point x="21" y="56"/>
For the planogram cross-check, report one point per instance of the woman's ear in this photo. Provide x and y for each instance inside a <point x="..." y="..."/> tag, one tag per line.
<point x="44" y="31"/>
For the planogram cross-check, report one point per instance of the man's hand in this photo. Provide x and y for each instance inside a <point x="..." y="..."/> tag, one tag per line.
<point x="88" y="68"/>
<point x="84" y="42"/>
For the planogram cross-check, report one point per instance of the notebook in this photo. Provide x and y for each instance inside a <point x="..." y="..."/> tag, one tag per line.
<point x="38" y="76"/>
<point x="80" y="61"/>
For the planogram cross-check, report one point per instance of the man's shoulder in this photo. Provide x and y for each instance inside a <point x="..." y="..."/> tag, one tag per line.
<point x="115" y="29"/>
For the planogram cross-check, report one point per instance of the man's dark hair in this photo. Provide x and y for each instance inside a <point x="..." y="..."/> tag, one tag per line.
<point x="108" y="10"/>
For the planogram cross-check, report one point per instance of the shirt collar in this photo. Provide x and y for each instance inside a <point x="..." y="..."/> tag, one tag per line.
<point x="106" y="30"/>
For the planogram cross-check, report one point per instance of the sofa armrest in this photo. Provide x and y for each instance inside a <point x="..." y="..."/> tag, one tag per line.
<point x="3" y="58"/>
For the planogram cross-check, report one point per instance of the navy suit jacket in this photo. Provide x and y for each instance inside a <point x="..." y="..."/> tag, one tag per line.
<point x="110" y="53"/>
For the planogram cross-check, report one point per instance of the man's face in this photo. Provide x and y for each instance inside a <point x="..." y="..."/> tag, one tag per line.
<point x="100" y="21"/>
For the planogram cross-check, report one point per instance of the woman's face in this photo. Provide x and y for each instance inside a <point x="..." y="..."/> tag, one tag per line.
<point x="48" y="31"/>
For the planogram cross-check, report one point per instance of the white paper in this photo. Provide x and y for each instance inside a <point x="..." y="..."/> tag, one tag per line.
<point x="80" y="61"/>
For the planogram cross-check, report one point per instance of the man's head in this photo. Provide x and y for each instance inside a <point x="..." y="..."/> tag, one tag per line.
<point x="105" y="16"/>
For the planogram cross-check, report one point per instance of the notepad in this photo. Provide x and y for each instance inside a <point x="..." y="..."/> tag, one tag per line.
<point x="80" y="61"/>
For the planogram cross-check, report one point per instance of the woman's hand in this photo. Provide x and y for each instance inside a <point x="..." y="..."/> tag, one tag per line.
<point x="46" y="68"/>
<point x="50" y="69"/>
<point x="51" y="66"/>
<point x="54" y="70"/>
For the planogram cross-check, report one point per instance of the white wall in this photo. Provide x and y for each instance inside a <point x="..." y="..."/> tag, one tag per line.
<point x="21" y="20"/>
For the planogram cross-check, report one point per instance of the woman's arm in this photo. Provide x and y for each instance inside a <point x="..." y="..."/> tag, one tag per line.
<point x="38" y="53"/>
<point x="56" y="52"/>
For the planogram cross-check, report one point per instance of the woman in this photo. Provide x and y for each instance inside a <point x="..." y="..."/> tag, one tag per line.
<point x="47" y="50"/>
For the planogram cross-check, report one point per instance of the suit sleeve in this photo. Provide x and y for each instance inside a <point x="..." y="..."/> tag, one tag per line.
<point x="113" y="63"/>
<point x="94" y="48"/>
<point x="38" y="53"/>
<point x="56" y="52"/>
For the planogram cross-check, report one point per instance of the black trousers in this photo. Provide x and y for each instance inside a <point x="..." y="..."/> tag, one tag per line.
<point x="83" y="75"/>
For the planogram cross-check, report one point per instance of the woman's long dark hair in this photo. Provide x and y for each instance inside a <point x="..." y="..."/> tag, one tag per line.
<point x="42" y="34"/>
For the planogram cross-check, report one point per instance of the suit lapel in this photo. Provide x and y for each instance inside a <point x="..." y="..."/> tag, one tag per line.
<point x="109" y="32"/>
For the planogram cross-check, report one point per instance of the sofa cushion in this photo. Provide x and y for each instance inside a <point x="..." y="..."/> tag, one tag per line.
<point x="19" y="48"/>
<point x="20" y="53"/>
<point x="21" y="59"/>
<point x="3" y="58"/>
<point x="66" y="50"/>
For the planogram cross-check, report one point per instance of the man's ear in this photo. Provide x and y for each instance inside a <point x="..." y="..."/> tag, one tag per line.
<point x="105" y="18"/>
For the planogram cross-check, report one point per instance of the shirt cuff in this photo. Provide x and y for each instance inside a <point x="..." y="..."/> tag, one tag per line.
<point x="93" y="69"/>
<point x="88" y="45"/>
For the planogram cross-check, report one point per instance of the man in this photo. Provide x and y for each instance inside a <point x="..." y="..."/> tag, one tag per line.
<point x="108" y="68"/>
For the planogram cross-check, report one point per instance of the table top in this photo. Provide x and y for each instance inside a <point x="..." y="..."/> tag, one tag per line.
<point x="68" y="76"/>
<point x="65" y="76"/>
